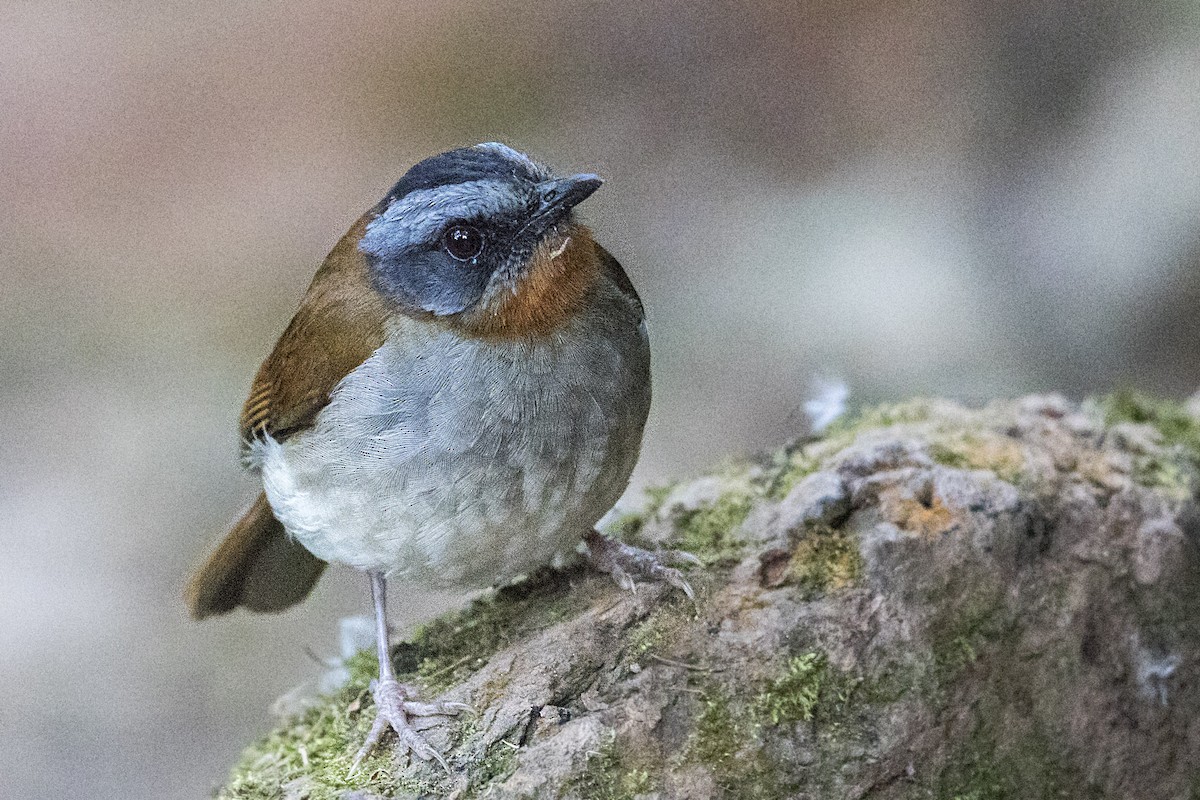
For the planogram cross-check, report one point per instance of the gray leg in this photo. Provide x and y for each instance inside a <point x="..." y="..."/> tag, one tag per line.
<point x="623" y="561"/>
<point x="391" y="702"/>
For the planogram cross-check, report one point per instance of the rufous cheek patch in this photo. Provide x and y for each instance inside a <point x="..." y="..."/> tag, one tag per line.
<point x="555" y="287"/>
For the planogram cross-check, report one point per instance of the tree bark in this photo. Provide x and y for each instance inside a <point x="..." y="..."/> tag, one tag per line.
<point x="928" y="602"/>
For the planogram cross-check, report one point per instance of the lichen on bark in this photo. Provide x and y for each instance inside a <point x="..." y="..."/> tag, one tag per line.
<point x="928" y="602"/>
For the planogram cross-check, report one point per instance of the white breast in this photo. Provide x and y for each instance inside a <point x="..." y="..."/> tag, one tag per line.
<point x="457" y="462"/>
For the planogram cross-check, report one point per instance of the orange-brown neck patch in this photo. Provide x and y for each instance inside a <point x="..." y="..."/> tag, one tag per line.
<point x="555" y="286"/>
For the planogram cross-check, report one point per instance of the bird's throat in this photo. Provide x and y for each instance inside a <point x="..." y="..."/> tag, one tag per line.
<point x="555" y="285"/>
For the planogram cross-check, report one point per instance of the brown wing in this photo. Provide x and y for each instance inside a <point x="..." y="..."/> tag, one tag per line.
<point x="339" y="324"/>
<point x="256" y="565"/>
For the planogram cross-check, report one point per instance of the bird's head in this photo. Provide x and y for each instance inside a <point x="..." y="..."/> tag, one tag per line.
<point x="484" y="237"/>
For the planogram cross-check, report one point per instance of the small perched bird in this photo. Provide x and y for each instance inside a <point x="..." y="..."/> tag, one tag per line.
<point x="458" y="399"/>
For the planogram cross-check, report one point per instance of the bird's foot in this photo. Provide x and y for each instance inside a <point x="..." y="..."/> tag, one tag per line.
<point x="623" y="562"/>
<point x="392" y="710"/>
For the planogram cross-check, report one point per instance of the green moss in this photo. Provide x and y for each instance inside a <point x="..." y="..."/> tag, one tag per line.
<point x="363" y="667"/>
<point x="726" y="741"/>
<point x="720" y="734"/>
<point x="710" y="532"/>
<point x="1176" y="469"/>
<point x="628" y="528"/>
<point x="496" y="764"/>
<point x="1169" y="417"/>
<point x="317" y="748"/>
<point x="807" y="689"/>
<point x="658" y="495"/>
<point x="896" y="680"/>
<point x="977" y="621"/>
<point x="613" y="773"/>
<point x="795" y="464"/>
<point x="734" y="738"/>
<point x="796" y="467"/>
<point x="793" y="696"/>
<point x="1004" y="745"/>
<point x="826" y="559"/>
<point x="990" y="764"/>
<point x="448" y="650"/>
<point x="659" y="630"/>
<point x="881" y="416"/>
<point x="981" y="450"/>
<point x="1168" y="475"/>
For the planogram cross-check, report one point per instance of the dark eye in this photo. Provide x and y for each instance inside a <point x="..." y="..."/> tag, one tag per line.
<point x="462" y="242"/>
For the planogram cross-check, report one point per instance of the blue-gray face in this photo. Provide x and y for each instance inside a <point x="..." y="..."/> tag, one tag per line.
<point x="458" y="222"/>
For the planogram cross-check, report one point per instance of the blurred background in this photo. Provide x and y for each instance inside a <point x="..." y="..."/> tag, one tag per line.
<point x="963" y="198"/>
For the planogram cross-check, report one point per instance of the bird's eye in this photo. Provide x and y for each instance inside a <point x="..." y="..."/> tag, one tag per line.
<point x="462" y="242"/>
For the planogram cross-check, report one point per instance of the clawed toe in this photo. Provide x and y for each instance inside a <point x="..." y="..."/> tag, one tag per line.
<point x="392" y="712"/>
<point x="675" y="578"/>
<point x="621" y="578"/>
<point x="622" y="561"/>
<point x="412" y="741"/>
<point x="685" y="557"/>
<point x="377" y="729"/>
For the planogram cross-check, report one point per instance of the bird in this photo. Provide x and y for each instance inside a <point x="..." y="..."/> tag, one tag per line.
<point x="457" y="401"/>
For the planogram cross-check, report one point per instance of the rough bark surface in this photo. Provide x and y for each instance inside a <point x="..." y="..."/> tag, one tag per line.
<point x="929" y="602"/>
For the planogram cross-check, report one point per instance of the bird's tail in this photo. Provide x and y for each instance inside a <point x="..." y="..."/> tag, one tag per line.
<point x="257" y="565"/>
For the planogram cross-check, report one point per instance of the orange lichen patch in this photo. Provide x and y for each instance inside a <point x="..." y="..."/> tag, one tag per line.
<point x="924" y="515"/>
<point x="925" y="520"/>
<point x="561" y="273"/>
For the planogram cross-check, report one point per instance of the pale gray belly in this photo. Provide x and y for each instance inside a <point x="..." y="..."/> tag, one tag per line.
<point x="461" y="463"/>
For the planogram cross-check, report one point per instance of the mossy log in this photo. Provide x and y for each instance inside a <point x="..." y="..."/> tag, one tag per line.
<point x="927" y="602"/>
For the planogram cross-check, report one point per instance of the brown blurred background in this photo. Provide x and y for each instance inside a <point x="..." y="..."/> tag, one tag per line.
<point x="963" y="198"/>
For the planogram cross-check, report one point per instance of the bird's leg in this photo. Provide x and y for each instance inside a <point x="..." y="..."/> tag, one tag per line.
<point x="392" y="706"/>
<point x="623" y="562"/>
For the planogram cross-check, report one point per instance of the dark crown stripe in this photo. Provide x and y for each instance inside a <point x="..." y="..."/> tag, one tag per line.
<point x="459" y="166"/>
